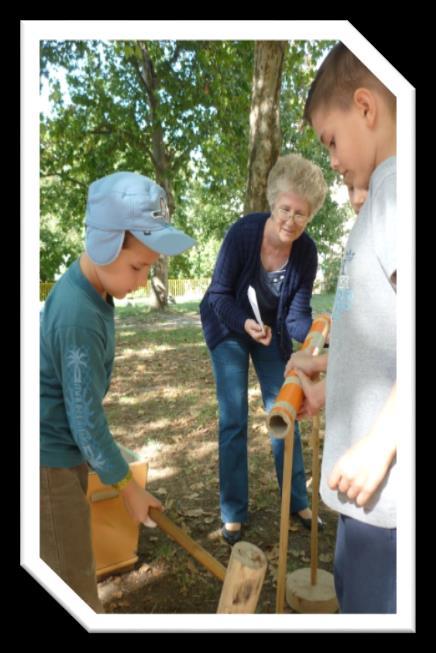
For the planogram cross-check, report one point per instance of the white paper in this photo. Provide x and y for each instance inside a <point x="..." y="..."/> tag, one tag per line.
<point x="254" y="305"/>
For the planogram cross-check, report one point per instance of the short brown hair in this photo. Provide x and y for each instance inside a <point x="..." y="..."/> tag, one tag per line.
<point x="339" y="75"/>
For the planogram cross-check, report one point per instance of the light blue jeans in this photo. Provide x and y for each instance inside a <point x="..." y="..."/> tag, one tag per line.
<point x="230" y="360"/>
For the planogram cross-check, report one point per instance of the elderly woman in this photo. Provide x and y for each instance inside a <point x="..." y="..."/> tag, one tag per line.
<point x="272" y="253"/>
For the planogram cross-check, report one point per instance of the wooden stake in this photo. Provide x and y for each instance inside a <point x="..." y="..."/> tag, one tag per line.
<point x="284" y="519"/>
<point x="315" y="500"/>
<point x="192" y="547"/>
<point x="244" y="579"/>
<point x="312" y="590"/>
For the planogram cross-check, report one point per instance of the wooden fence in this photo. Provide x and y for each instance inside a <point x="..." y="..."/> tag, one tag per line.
<point x="176" y="288"/>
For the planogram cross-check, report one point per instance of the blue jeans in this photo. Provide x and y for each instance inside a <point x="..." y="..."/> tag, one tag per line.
<point x="365" y="568"/>
<point x="230" y="360"/>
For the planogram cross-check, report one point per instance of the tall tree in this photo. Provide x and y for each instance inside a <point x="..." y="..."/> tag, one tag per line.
<point x="265" y="134"/>
<point x="147" y="75"/>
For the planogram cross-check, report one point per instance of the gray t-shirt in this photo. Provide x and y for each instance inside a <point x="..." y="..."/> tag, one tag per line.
<point x="362" y="356"/>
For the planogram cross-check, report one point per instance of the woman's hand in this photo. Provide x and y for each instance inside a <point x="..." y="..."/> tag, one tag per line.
<point x="255" y="331"/>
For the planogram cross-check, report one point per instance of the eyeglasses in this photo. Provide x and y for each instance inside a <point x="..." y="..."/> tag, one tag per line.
<point x="299" y="218"/>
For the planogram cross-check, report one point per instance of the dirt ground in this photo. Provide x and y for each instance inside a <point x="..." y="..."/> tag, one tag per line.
<point x="162" y="406"/>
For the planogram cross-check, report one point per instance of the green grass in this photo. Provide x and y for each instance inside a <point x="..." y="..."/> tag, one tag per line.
<point x="322" y="303"/>
<point x="150" y="314"/>
<point x="174" y="336"/>
<point x="186" y="307"/>
<point x="147" y="314"/>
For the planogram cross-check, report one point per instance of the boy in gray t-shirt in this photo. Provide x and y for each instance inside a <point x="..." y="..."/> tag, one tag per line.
<point x="353" y="114"/>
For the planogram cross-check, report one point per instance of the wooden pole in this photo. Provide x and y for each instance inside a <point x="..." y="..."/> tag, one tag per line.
<point x="312" y="590"/>
<point x="284" y="519"/>
<point x="192" y="547"/>
<point x="244" y="579"/>
<point x="281" y="424"/>
<point x="315" y="500"/>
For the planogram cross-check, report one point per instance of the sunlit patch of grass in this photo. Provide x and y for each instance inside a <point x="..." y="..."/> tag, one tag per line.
<point x="322" y="303"/>
<point x="128" y="401"/>
<point x="158" y="473"/>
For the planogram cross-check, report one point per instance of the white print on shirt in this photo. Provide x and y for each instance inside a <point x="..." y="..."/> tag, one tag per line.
<point x="344" y="294"/>
<point x="78" y="403"/>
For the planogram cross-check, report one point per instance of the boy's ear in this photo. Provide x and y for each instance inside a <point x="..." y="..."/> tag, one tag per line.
<point x="365" y="103"/>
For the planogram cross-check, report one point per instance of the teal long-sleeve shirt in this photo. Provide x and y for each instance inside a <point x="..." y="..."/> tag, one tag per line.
<point x="77" y="349"/>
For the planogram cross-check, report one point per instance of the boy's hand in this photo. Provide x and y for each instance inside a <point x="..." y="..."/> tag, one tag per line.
<point x="314" y="395"/>
<point x="303" y="360"/>
<point x="255" y="331"/>
<point x="137" y="501"/>
<point x="361" y="469"/>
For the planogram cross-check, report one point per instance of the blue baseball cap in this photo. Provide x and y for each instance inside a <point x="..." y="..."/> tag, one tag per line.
<point x="126" y="201"/>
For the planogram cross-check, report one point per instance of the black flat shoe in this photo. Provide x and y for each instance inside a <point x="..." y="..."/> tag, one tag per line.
<point x="307" y="522"/>
<point x="231" y="537"/>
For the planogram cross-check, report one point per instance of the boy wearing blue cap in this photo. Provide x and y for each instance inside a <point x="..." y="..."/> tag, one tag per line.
<point x="126" y="230"/>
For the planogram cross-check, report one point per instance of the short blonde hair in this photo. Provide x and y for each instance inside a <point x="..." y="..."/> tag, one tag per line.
<point x="295" y="174"/>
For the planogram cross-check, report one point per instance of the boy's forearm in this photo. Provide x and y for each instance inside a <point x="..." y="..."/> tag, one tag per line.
<point x="361" y="470"/>
<point x="385" y="428"/>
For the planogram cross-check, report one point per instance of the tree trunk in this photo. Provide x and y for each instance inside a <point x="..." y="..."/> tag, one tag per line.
<point x="159" y="279"/>
<point x="265" y="134"/>
<point x="159" y="283"/>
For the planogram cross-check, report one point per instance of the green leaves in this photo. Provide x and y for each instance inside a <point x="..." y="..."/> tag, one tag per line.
<point x="106" y="123"/>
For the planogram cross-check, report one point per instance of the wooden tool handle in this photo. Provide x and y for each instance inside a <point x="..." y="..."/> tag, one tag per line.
<point x="192" y="547"/>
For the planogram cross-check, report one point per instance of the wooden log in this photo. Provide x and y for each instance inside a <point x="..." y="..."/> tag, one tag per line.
<point x="192" y="547"/>
<point x="244" y="579"/>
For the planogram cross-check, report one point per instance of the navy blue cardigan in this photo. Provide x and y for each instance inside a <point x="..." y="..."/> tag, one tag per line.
<point x="225" y="306"/>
